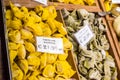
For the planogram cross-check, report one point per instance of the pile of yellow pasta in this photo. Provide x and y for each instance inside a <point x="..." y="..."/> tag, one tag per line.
<point x="23" y="25"/>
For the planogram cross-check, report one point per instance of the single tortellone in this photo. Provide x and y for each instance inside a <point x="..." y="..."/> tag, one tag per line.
<point x="23" y="25"/>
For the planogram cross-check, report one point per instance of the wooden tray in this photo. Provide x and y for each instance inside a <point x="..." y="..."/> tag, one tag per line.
<point x="112" y="51"/>
<point x="31" y="4"/>
<point x="108" y="17"/>
<point x="94" y="8"/>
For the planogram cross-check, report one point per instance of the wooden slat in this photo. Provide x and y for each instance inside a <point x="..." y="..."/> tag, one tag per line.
<point x="58" y="6"/>
<point x="72" y="7"/>
<point x="114" y="36"/>
<point x="94" y="8"/>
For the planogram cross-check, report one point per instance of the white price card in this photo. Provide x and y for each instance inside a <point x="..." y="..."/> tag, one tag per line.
<point x="49" y="45"/>
<point x="84" y="35"/>
<point x="116" y="1"/>
<point x="42" y="1"/>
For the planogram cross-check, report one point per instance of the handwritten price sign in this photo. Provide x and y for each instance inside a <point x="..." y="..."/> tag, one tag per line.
<point x="49" y="45"/>
<point x="84" y="35"/>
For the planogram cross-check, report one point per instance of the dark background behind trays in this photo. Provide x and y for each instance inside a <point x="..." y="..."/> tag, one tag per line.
<point x="4" y="69"/>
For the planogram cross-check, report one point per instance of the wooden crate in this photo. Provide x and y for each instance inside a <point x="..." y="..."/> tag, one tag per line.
<point x="112" y="51"/>
<point x="32" y="4"/>
<point x="59" y="5"/>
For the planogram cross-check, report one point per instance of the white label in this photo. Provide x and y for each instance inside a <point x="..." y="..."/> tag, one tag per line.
<point x="84" y="35"/>
<point x="49" y="45"/>
<point x="116" y="1"/>
<point x="42" y="1"/>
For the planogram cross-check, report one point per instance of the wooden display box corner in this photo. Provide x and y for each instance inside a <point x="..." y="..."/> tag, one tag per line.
<point x="32" y="4"/>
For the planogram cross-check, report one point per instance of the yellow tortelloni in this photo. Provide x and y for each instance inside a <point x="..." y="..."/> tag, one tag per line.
<point x="51" y="58"/>
<point x="60" y="27"/>
<point x="49" y="71"/>
<point x="34" y="27"/>
<point x="16" y="11"/>
<point x="24" y="10"/>
<point x="52" y="12"/>
<point x="43" y="60"/>
<point x="46" y="29"/>
<point x="32" y="77"/>
<point x="15" y="36"/>
<point x="13" y="46"/>
<point x="63" y="56"/>
<point x="25" y="34"/>
<point x="44" y="78"/>
<point x="45" y="14"/>
<point x="33" y="62"/>
<point x="58" y="35"/>
<point x="61" y="77"/>
<point x="29" y="47"/>
<point x="13" y="54"/>
<point x="15" y="24"/>
<point x="23" y="64"/>
<point x="63" y="68"/>
<point x="81" y="2"/>
<point x="21" y="52"/>
<point x="67" y="44"/>
<point x="51" y="25"/>
<point x="9" y="14"/>
<point x="17" y="73"/>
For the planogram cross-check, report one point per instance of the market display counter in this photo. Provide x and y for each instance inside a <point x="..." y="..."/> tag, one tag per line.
<point x="5" y="71"/>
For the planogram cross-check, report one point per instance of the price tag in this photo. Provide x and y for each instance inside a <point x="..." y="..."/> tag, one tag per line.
<point x="49" y="45"/>
<point x="42" y="1"/>
<point x="84" y="35"/>
<point x="116" y="1"/>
